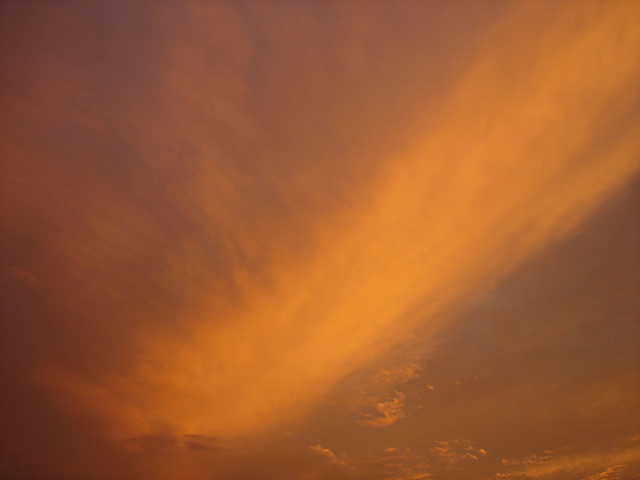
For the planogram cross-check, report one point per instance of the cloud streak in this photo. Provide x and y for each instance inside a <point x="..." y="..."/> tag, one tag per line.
<point x="356" y="290"/>
<point x="229" y="209"/>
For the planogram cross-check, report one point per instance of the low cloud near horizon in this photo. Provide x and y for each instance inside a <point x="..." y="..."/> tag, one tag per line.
<point x="286" y="240"/>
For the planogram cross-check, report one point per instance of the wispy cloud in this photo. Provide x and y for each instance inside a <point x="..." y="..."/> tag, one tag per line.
<point x="387" y="412"/>
<point x="452" y="452"/>
<point x="615" y="472"/>
<point x="230" y="208"/>
<point x="606" y="463"/>
<point x="327" y="453"/>
<point x="23" y="276"/>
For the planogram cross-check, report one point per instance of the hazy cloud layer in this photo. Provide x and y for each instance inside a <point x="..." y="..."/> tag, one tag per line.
<point x="320" y="240"/>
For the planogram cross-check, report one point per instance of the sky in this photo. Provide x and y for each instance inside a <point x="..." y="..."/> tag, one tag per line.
<point x="320" y="240"/>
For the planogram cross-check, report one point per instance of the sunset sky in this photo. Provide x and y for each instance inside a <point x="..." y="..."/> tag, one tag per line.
<point x="320" y="240"/>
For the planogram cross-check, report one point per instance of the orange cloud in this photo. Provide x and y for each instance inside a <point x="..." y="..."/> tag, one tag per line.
<point x="236" y="207"/>
<point x="518" y="156"/>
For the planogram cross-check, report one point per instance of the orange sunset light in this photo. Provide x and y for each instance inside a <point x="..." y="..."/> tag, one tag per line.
<point x="320" y="240"/>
